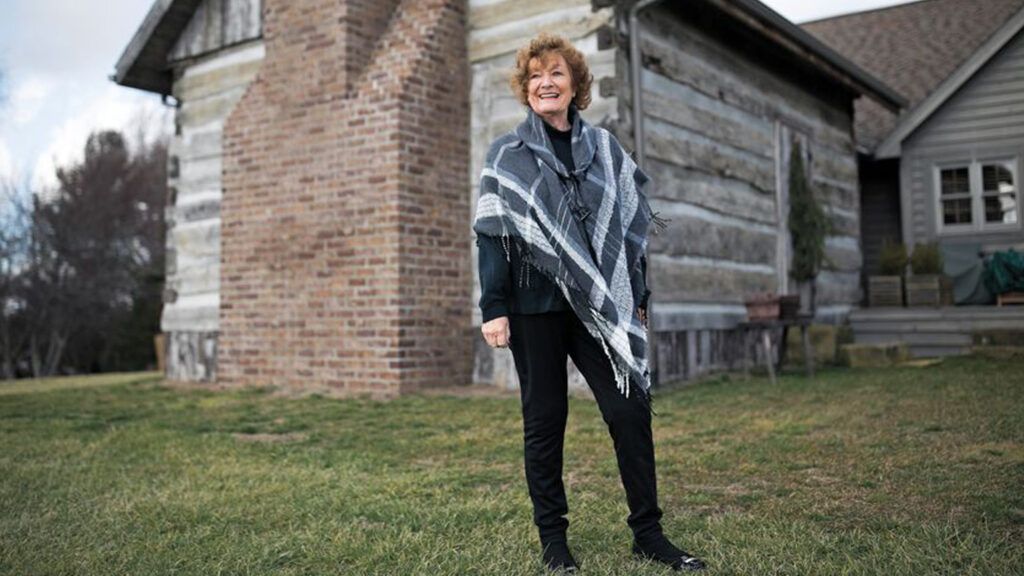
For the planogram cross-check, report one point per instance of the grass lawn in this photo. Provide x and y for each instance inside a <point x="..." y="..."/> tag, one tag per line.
<point x="910" y="471"/>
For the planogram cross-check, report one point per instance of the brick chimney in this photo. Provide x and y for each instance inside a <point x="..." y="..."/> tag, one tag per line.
<point x="345" y="256"/>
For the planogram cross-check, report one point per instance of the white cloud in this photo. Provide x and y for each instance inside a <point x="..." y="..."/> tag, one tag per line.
<point x="116" y="109"/>
<point x="804" y="10"/>
<point x="27" y="98"/>
<point x="7" y="171"/>
<point x="56" y="57"/>
<point x="67" y="38"/>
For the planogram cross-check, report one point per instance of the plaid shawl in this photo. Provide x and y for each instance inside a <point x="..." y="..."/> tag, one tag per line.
<point x="585" y="230"/>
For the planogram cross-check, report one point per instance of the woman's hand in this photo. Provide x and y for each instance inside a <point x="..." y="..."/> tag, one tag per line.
<point x="642" y="313"/>
<point x="496" y="332"/>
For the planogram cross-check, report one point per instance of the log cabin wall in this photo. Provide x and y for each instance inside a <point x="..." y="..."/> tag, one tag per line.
<point x="214" y="61"/>
<point x="721" y="109"/>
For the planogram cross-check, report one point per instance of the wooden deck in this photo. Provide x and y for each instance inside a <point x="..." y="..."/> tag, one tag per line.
<point x="933" y="331"/>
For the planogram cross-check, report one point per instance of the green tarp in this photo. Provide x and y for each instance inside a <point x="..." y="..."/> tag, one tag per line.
<point x="1004" y="272"/>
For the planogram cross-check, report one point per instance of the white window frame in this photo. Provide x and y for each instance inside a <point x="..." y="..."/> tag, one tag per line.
<point x="977" y="223"/>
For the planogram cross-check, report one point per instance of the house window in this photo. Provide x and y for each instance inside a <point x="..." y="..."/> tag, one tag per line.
<point x="978" y="196"/>
<point x="999" y="193"/>
<point x="956" y="196"/>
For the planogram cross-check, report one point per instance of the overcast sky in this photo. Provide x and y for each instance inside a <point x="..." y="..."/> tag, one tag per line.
<point x="57" y="55"/>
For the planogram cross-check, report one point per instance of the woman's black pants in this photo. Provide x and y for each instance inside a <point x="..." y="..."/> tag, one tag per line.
<point x="540" y="344"/>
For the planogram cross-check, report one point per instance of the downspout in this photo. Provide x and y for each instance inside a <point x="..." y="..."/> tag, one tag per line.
<point x="635" y="63"/>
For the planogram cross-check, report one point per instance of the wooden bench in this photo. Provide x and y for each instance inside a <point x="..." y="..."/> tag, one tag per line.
<point x="757" y="333"/>
<point x="1010" y="298"/>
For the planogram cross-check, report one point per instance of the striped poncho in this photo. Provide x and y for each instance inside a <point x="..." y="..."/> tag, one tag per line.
<point x="585" y="230"/>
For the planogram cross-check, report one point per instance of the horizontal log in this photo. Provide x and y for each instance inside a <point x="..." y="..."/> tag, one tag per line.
<point x="180" y="318"/>
<point x="844" y="224"/>
<point x="195" y="211"/>
<point x="195" y="280"/>
<point x="841" y="195"/>
<point x="214" y="108"/>
<point x="687" y="235"/>
<point x="673" y="280"/>
<point x="843" y="259"/>
<point x="838" y="288"/>
<point x="834" y="166"/>
<point x="197" y="243"/>
<point x="221" y="79"/>
<point x="506" y="11"/>
<point x="198" y="145"/>
<point x="685" y="107"/>
<point x="573" y="24"/>
<point x="690" y="150"/>
<point x="688" y="56"/>
<point x="200" y="174"/>
<point x="709" y="191"/>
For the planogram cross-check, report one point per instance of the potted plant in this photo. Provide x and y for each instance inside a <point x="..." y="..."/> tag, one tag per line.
<point x="923" y="285"/>
<point x="886" y="289"/>
<point x="789" y="306"/>
<point x="762" y="307"/>
<point x="808" y="227"/>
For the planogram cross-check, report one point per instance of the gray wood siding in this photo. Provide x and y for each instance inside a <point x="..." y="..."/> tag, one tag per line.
<point x="218" y="24"/>
<point x="713" y="118"/>
<point x="983" y="120"/>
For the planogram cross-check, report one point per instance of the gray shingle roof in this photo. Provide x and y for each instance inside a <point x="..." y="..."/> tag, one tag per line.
<point x="911" y="47"/>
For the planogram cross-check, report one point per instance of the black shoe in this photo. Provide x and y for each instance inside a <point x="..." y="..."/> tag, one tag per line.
<point x="558" y="558"/>
<point x="661" y="550"/>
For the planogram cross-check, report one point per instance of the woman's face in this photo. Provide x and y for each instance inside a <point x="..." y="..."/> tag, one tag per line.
<point x="549" y="90"/>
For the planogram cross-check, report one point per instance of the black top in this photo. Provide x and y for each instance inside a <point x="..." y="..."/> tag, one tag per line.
<point x="518" y="288"/>
<point x="562" y="141"/>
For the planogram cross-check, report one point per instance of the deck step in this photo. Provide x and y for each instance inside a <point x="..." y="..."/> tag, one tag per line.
<point x="999" y="352"/>
<point x="873" y="355"/>
<point x="915" y="338"/>
<point x="935" y="326"/>
<point x="938" y="351"/>
<point x="939" y="332"/>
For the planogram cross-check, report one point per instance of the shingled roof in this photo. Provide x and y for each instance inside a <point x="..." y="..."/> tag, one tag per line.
<point x="911" y="47"/>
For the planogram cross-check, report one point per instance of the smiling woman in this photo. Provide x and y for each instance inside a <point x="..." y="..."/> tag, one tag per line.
<point x="551" y="63"/>
<point x="569" y="200"/>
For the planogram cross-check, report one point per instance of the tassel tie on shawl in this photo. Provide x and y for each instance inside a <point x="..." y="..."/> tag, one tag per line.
<point x="659" y="223"/>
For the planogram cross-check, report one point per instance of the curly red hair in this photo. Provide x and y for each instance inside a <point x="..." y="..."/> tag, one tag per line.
<point x="541" y="47"/>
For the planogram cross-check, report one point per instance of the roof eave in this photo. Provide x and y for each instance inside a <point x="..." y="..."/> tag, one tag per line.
<point x="143" y="64"/>
<point x="891" y="145"/>
<point x="818" y="54"/>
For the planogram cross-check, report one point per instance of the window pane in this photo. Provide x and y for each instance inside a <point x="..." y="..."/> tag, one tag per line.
<point x="1000" y="193"/>
<point x="997" y="178"/>
<point x="955" y="181"/>
<point x="1001" y="208"/>
<point x="956" y="211"/>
